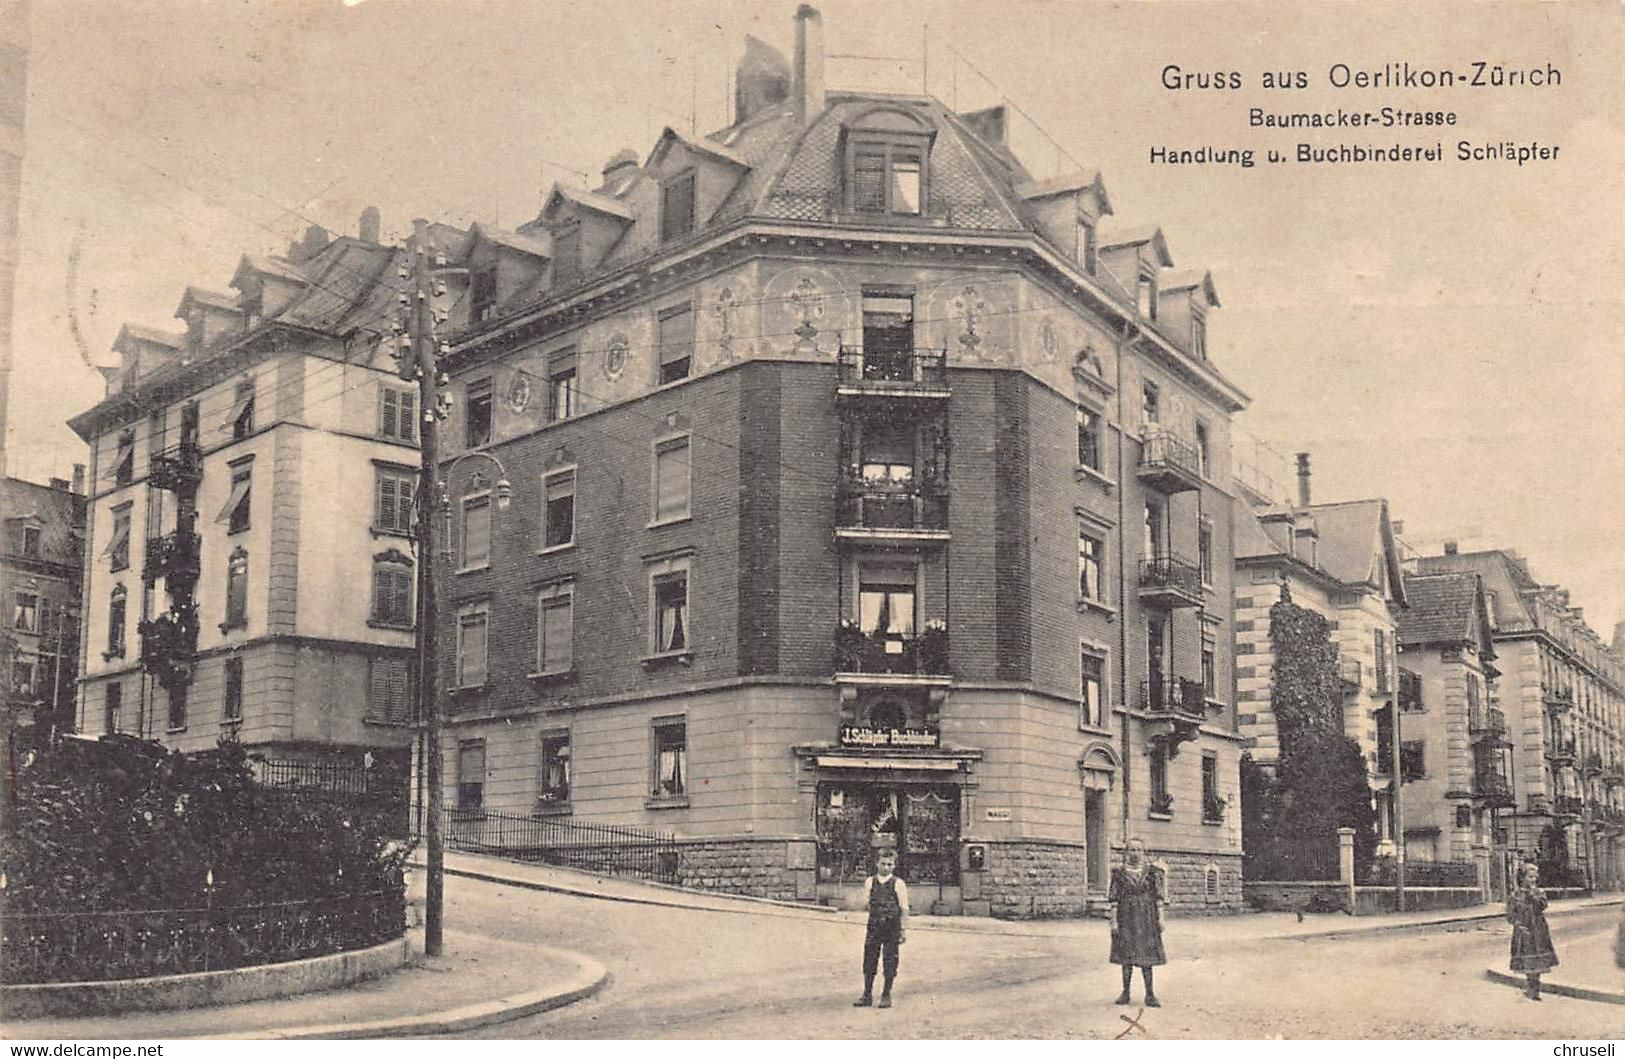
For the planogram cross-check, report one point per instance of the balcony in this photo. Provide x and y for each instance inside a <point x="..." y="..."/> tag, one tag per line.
<point x="1168" y="582"/>
<point x="1566" y="805"/>
<point x="1561" y="751"/>
<point x="916" y="373"/>
<point x="1175" y="698"/>
<point x="1592" y="765"/>
<point x="1613" y="775"/>
<point x="1486" y="724"/>
<point x="1410" y="692"/>
<point x="1351" y="674"/>
<point x="169" y="646"/>
<point x="867" y="657"/>
<point x="174" y="556"/>
<point x="878" y="509"/>
<point x="1169" y="463"/>
<point x="1557" y="699"/>
<point x="178" y="468"/>
<point x="1381" y="762"/>
<point x="1492" y="787"/>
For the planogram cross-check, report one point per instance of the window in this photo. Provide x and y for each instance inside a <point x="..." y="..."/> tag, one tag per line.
<point x="1092" y="712"/>
<point x="1089" y="439"/>
<point x="886" y="604"/>
<point x="1204" y="453"/>
<point x="234" y="690"/>
<point x="670" y="592"/>
<point x="392" y="590"/>
<point x="886" y="177"/>
<point x="553" y="785"/>
<point x="476" y="532"/>
<point x="671" y="479"/>
<point x="482" y="294"/>
<point x="237" y="590"/>
<point x="670" y="757"/>
<point x="1145" y="299"/>
<point x="1091" y="555"/>
<point x="1087" y="247"/>
<point x="397" y="413"/>
<point x="471" y="628"/>
<point x="675" y="337"/>
<point x="22" y="677"/>
<point x="191" y="413"/>
<point x="1210" y="675"/>
<point x="241" y="419"/>
<point x="115" y="623"/>
<point x="555" y="632"/>
<point x="393" y="495"/>
<point x="561" y="385"/>
<point x="1153" y="543"/>
<point x="25" y="612"/>
<point x="239" y="504"/>
<point x="1412" y="760"/>
<point x="677" y="206"/>
<point x="1212" y="807"/>
<point x="888" y="336"/>
<point x="389" y="690"/>
<point x="1161" y="800"/>
<point x="118" y="546"/>
<point x="31" y="539"/>
<point x="1380" y="645"/>
<point x="1199" y="335"/>
<point x="111" y="705"/>
<point x="477" y="413"/>
<point x="124" y="462"/>
<point x="1204" y="552"/>
<point x="177" y="707"/>
<point x="471" y="774"/>
<point x="1150" y="402"/>
<point x="559" y="517"/>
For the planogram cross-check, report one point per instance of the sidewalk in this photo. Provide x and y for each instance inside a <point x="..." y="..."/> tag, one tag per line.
<point x="459" y="985"/>
<point x="1587" y="971"/>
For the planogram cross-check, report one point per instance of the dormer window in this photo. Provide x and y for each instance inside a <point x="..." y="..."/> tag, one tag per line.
<point x="886" y="163"/>
<point x="677" y="206"/>
<point x="482" y="295"/>
<point x="566" y="255"/>
<point x="1088" y="249"/>
<point x="1146" y="296"/>
<point x="1198" y="335"/>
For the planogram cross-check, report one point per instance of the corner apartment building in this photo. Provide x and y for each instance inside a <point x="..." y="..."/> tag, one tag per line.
<point x="1340" y="561"/>
<point x="866" y="492"/>
<point x="1455" y="754"/>
<point x="250" y="562"/>
<point x="1562" y="692"/>
<point x="40" y="557"/>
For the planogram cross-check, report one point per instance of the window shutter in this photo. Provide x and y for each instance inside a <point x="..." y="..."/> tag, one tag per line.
<point x="388" y="407"/>
<point x="407" y="419"/>
<point x="385" y="518"/>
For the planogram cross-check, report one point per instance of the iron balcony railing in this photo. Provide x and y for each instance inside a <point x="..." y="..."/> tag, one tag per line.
<point x="1172" y="579"/>
<point x="1381" y="761"/>
<point x="1567" y="805"/>
<point x="1175" y="697"/>
<point x="899" y="370"/>
<point x="1492" y="784"/>
<point x="1557" y="698"/>
<point x="178" y="468"/>
<point x="1486" y="722"/>
<point x="1410" y="691"/>
<point x="174" y="556"/>
<point x="886" y="505"/>
<point x="1562" y="749"/>
<point x="1593" y="763"/>
<point x="924" y="654"/>
<point x="1613" y="774"/>
<point x="1169" y="462"/>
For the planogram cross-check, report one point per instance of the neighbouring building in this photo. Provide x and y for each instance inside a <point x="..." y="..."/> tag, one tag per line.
<point x="40" y="578"/>
<point x="250" y="566"/>
<point x="1562" y="691"/>
<point x="1455" y="754"/>
<point x="866" y="492"/>
<point x="1340" y="561"/>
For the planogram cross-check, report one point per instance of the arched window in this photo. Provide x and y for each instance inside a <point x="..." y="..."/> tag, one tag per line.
<point x="115" y="622"/>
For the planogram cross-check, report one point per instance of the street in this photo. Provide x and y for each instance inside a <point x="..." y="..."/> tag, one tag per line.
<point x="677" y="973"/>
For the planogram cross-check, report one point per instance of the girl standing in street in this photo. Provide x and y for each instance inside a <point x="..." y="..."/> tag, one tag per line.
<point x="1136" y="898"/>
<point x="1532" y="951"/>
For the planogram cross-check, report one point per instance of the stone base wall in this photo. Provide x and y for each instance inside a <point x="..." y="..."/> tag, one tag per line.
<point x="778" y="868"/>
<point x="1202" y="884"/>
<point x="1027" y="880"/>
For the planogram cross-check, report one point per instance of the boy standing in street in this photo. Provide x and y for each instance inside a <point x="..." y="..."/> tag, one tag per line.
<point x="887" y="898"/>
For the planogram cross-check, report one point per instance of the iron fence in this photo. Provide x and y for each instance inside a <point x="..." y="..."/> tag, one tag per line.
<point x="1423" y="873"/>
<point x="606" y="848"/>
<point x="111" y="945"/>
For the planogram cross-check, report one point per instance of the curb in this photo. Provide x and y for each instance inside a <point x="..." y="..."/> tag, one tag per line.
<point x="1383" y="928"/>
<point x="589" y="977"/>
<point x="1557" y="989"/>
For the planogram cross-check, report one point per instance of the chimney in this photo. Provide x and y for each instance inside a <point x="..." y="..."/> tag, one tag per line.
<point x="618" y="163"/>
<point x="1450" y="547"/>
<point x="308" y="247"/>
<point x="1303" y="479"/>
<point x="79" y="479"/>
<point x="808" y="88"/>
<point x="368" y="230"/>
<point x="989" y="124"/>
<point x="59" y="484"/>
<point x="761" y="81"/>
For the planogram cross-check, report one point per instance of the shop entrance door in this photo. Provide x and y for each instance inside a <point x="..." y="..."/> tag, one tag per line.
<point x="920" y="821"/>
<point x="1094" y="840"/>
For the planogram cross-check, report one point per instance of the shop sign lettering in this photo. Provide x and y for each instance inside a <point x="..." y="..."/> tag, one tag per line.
<point x="864" y="736"/>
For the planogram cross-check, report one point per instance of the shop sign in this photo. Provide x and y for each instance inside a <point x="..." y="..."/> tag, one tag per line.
<point x="864" y="736"/>
<point x="999" y="814"/>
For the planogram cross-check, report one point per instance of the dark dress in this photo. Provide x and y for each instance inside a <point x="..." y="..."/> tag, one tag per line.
<point x="1137" y="941"/>
<point x="1532" y="951"/>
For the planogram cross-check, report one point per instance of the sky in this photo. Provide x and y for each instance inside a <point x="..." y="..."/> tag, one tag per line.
<point x="1445" y="335"/>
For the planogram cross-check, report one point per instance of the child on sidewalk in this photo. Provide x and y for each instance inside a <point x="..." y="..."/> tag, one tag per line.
<point x="1532" y="951"/>
<point x="887" y="898"/>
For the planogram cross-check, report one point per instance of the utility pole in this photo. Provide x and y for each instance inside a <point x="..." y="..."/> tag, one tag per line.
<point x="1391" y="663"/>
<point x="420" y="359"/>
